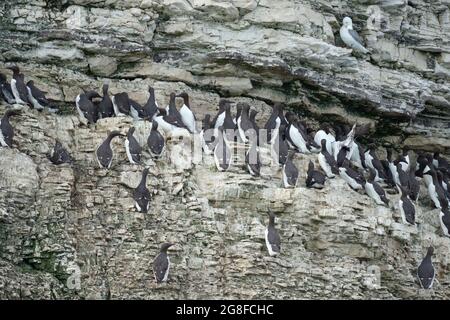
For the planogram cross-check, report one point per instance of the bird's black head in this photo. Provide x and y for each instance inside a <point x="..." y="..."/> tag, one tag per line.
<point x="166" y="246"/>
<point x="278" y="107"/>
<point x="115" y="133"/>
<point x="91" y="94"/>
<point x="323" y="143"/>
<point x="223" y="103"/>
<point x="430" y="251"/>
<point x="15" y="69"/>
<point x="244" y="106"/>
<point x="2" y="78"/>
<point x="185" y="97"/>
<point x="105" y="88"/>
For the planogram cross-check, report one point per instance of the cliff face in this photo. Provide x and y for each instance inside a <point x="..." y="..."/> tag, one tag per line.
<point x="71" y="231"/>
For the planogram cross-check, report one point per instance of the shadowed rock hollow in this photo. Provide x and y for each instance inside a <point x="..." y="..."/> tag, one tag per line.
<point x="58" y="220"/>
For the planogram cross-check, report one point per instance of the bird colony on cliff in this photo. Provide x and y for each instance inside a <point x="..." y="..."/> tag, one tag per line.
<point x="285" y="135"/>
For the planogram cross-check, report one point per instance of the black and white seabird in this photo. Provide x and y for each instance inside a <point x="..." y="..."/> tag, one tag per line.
<point x="220" y="116"/>
<point x="372" y="161"/>
<point x="172" y="122"/>
<point x="238" y="114"/>
<point x="413" y="186"/>
<point x="403" y="159"/>
<point x="327" y="162"/>
<point x="141" y="194"/>
<point x="425" y="271"/>
<point x="274" y="122"/>
<point x="187" y="115"/>
<point x="421" y="162"/>
<point x="392" y="166"/>
<point x="207" y="136"/>
<point x="403" y="177"/>
<point x="18" y="87"/>
<point x="222" y="152"/>
<point x="59" y="154"/>
<point x="425" y="171"/>
<point x="161" y="264"/>
<point x="244" y="124"/>
<point x="342" y="155"/>
<point x="290" y="172"/>
<point x="324" y="133"/>
<point x="273" y="240"/>
<point x="5" y="90"/>
<point x="229" y="127"/>
<point x="121" y="104"/>
<point x="105" y="107"/>
<point x="347" y="142"/>
<point x="136" y="110"/>
<point x="435" y="189"/>
<point x="354" y="179"/>
<point x="151" y="107"/>
<point x="155" y="141"/>
<point x="87" y="110"/>
<point x="350" y="36"/>
<point x="389" y="179"/>
<point x="357" y="156"/>
<point x="445" y="179"/>
<point x="296" y="135"/>
<point x="374" y="190"/>
<point x="252" y="160"/>
<point x="443" y="185"/>
<point x="440" y="162"/>
<point x="279" y="146"/>
<point x="6" y="129"/>
<point x="253" y="114"/>
<point x="444" y="219"/>
<point x="36" y="96"/>
<point x="406" y="206"/>
<point x="314" y="179"/>
<point x="444" y="196"/>
<point x="104" y="153"/>
<point x="132" y="147"/>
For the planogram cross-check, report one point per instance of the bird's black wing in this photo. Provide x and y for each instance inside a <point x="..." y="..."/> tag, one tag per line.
<point x="135" y="148"/>
<point x="426" y="273"/>
<point x="174" y="120"/>
<point x="355" y="175"/>
<point x="274" y="238"/>
<point x="378" y="188"/>
<point x="160" y="266"/>
<point x="318" y="177"/>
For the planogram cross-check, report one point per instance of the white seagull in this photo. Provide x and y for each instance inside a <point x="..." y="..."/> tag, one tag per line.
<point x="351" y="37"/>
